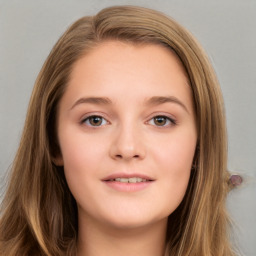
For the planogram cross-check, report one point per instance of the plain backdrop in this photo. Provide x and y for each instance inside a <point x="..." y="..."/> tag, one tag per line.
<point x="225" y="28"/>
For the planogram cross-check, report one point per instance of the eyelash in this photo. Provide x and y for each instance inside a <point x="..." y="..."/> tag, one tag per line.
<point x="170" y="121"/>
<point x="87" y="120"/>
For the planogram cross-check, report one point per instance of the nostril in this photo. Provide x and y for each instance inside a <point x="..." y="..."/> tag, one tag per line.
<point x="119" y="156"/>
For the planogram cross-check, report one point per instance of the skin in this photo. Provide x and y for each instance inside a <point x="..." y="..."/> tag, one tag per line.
<point x="127" y="139"/>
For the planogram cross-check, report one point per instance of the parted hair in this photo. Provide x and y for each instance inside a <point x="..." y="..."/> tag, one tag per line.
<point x="39" y="213"/>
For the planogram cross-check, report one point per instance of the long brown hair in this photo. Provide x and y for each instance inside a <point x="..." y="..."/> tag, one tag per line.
<point x="39" y="214"/>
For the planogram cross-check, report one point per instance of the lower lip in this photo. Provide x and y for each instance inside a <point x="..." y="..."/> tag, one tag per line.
<point x="128" y="187"/>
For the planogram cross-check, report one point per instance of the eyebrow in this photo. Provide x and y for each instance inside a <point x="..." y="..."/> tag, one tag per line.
<point x="155" y="100"/>
<point x="158" y="100"/>
<point x="93" y="100"/>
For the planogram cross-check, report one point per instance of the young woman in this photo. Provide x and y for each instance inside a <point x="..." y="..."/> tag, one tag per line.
<point x="124" y="146"/>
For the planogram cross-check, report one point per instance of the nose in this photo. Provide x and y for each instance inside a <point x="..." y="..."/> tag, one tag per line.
<point x="127" y="144"/>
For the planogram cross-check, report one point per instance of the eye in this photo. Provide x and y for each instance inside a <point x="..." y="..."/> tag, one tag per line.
<point x="94" y="121"/>
<point x="162" y="121"/>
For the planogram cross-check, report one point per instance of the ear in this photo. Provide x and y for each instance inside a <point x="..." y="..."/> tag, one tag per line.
<point x="58" y="160"/>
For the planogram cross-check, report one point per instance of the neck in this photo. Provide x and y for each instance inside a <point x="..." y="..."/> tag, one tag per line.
<point x="95" y="240"/>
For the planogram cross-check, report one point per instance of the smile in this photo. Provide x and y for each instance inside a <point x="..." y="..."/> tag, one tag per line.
<point x="124" y="182"/>
<point x="129" y="180"/>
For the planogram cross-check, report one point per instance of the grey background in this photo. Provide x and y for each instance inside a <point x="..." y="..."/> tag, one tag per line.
<point x="226" y="29"/>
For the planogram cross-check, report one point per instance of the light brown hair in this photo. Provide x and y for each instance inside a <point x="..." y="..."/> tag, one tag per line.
<point x="39" y="214"/>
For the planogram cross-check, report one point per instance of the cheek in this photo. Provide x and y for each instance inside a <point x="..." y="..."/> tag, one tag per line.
<point x="81" y="158"/>
<point x="176" y="153"/>
<point x="175" y="160"/>
<point x="80" y="151"/>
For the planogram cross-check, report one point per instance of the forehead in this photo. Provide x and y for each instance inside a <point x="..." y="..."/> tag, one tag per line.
<point x="145" y="56"/>
<point x="111" y="50"/>
<point x="115" y="68"/>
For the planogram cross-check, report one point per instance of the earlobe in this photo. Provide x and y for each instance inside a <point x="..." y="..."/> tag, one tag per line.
<point x="58" y="161"/>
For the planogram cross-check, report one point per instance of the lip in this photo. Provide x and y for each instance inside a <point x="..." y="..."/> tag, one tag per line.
<point x="128" y="187"/>
<point x="128" y="175"/>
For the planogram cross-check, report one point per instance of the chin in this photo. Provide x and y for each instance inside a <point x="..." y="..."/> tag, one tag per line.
<point x="133" y="221"/>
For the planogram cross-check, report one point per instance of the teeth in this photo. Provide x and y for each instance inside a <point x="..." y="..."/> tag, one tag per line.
<point x="130" y="180"/>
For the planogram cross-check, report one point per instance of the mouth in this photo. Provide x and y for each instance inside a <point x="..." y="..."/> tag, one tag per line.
<point x="128" y="182"/>
<point x="128" y="178"/>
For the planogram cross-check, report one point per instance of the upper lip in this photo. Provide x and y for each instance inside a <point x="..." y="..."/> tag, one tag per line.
<point x="127" y="175"/>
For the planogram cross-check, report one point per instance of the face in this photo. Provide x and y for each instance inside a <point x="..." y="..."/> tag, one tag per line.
<point x="127" y="134"/>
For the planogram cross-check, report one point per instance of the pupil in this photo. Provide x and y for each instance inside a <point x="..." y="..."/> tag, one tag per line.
<point x="95" y="120"/>
<point x="160" y="120"/>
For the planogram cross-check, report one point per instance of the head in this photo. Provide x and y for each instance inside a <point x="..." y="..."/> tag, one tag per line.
<point x="46" y="200"/>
